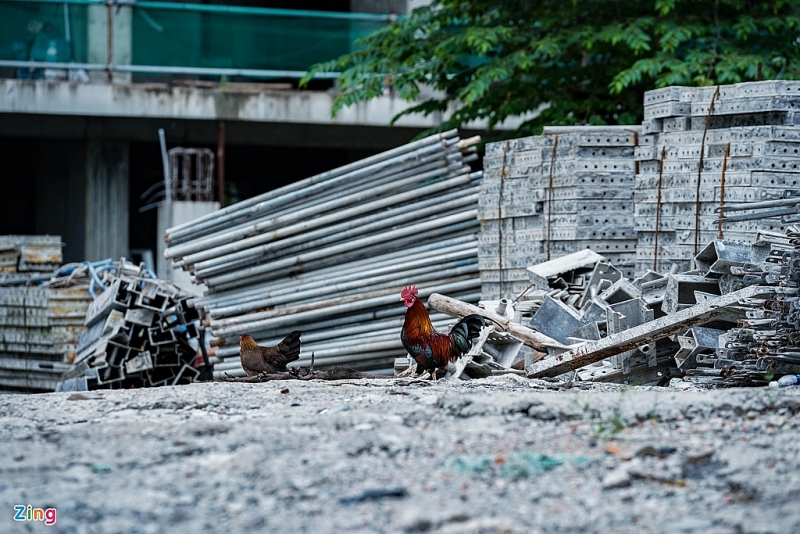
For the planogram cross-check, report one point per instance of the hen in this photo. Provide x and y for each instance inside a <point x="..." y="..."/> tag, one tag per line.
<point x="257" y="359"/>
<point x="431" y="349"/>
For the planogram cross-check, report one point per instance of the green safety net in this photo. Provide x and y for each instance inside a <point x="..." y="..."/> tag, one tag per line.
<point x="43" y="32"/>
<point x="180" y="37"/>
<point x="222" y="40"/>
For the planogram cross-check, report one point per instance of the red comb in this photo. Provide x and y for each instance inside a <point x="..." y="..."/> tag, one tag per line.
<point x="409" y="291"/>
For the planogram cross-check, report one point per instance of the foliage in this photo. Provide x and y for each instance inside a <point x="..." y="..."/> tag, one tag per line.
<point x="590" y="61"/>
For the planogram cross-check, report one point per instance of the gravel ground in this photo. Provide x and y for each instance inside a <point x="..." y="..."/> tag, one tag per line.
<point x="499" y="455"/>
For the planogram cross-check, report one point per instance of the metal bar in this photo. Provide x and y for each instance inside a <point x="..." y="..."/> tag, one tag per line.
<point x="340" y="328"/>
<point x="330" y="235"/>
<point x="439" y="226"/>
<point x="722" y="186"/>
<point x="757" y="205"/>
<point x="320" y="181"/>
<point x="195" y="246"/>
<point x="110" y="40"/>
<point x="454" y="249"/>
<point x="264" y="11"/>
<point x="160" y="69"/>
<point x="658" y="208"/>
<point x="284" y="204"/>
<point x="758" y="215"/>
<point x="320" y="285"/>
<point x="345" y="307"/>
<point x="237" y="241"/>
<point x="233" y="10"/>
<point x="648" y="332"/>
<point x="366" y="285"/>
<point x="221" y="164"/>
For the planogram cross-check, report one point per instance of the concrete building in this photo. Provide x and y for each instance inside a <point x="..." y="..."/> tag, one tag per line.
<point x="85" y="87"/>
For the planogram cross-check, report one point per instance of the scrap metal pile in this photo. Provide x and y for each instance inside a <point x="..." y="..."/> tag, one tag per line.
<point x="140" y="332"/>
<point x="328" y="255"/>
<point x="88" y="325"/>
<point x="731" y="321"/>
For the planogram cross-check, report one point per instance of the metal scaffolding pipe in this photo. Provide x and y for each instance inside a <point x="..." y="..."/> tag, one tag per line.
<point x="332" y="234"/>
<point x="470" y="215"/>
<point x="459" y="250"/>
<point x="230" y="346"/>
<point x="316" y="240"/>
<point x="358" y="286"/>
<point x="319" y="182"/>
<point x="329" y="327"/>
<point x="238" y="244"/>
<point x="355" y="193"/>
<point x="350" y="283"/>
<point x="345" y="307"/>
<point x="342" y="304"/>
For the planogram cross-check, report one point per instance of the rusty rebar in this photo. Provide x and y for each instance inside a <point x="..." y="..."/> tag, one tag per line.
<point x="700" y="174"/>
<point x="722" y="186"/>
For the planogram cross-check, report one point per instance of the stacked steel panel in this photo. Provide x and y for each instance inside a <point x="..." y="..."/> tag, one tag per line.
<point x="546" y="196"/>
<point x="749" y="150"/>
<point x="29" y="254"/>
<point x="329" y="255"/>
<point x="39" y="332"/>
<point x="39" y="326"/>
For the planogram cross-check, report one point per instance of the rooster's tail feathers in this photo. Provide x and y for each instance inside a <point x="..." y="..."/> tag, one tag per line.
<point x="474" y="323"/>
<point x="464" y="330"/>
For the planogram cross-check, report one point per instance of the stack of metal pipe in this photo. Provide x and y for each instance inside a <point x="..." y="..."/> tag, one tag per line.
<point x="329" y="255"/>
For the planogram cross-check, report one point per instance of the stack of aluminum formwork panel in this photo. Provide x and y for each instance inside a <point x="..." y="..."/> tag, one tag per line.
<point x="547" y="196"/>
<point x="139" y="332"/>
<point x="747" y="149"/>
<point x="329" y="255"/>
<point x="30" y="253"/>
<point x="39" y="332"/>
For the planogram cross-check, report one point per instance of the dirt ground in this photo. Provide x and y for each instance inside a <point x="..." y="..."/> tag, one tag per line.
<point x="498" y="455"/>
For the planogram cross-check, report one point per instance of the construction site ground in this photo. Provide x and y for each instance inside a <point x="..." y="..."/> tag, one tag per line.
<point x="498" y="455"/>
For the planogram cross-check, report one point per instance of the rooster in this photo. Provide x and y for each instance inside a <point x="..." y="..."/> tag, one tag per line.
<point x="257" y="359"/>
<point x="431" y="349"/>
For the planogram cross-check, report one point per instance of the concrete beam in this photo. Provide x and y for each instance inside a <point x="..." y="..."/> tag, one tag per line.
<point x="234" y="102"/>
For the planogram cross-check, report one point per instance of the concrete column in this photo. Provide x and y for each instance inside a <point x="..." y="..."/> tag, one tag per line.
<point x="121" y="40"/>
<point x="107" y="191"/>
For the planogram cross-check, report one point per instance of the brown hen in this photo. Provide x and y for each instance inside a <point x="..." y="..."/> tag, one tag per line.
<point x="257" y="359"/>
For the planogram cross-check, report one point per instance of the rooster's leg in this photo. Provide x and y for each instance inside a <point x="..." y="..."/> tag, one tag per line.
<point x="433" y="374"/>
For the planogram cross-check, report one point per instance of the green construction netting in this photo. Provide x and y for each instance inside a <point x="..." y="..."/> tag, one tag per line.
<point x="43" y="32"/>
<point x="220" y="40"/>
<point x="178" y="38"/>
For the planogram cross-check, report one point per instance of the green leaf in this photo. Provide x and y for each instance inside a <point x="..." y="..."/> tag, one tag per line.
<point x="587" y="61"/>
